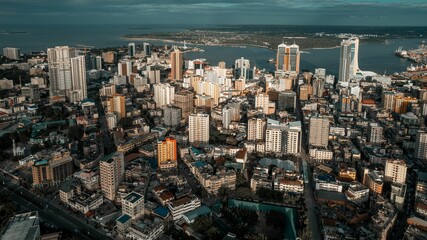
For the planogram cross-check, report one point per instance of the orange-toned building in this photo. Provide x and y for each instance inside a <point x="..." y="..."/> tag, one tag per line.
<point x="167" y="153"/>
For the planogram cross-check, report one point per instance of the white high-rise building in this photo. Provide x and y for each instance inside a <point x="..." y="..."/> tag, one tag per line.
<point x="256" y="129"/>
<point x="163" y="94"/>
<point x="395" y="171"/>
<point x="98" y="63"/>
<point x="78" y="76"/>
<point x="111" y="120"/>
<point x="59" y="63"/>
<point x="226" y="117"/>
<point x="198" y="128"/>
<point x="319" y="131"/>
<point x="111" y="168"/>
<point x="292" y="138"/>
<point x="349" y="63"/>
<point x="67" y="72"/>
<point x="242" y="67"/>
<point x="261" y="101"/>
<point x="421" y="145"/>
<point x="11" y="53"/>
<point x="273" y="139"/>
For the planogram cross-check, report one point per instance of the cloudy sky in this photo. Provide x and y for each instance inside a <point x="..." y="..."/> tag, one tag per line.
<point x="285" y="12"/>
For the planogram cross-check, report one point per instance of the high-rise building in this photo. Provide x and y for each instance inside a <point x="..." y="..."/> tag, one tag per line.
<point x="402" y="104"/>
<point x="147" y="49"/>
<point x="349" y="63"/>
<point x="198" y="128"/>
<point x="176" y="65"/>
<point x="288" y="58"/>
<point x="184" y="100"/>
<point x="172" y="116"/>
<point x="107" y="90"/>
<point x="133" y="205"/>
<point x="242" y="69"/>
<point x="375" y="133"/>
<point x="111" y="174"/>
<point x="167" y="153"/>
<point x="395" y="171"/>
<point x="388" y="100"/>
<point x="124" y="68"/>
<point x="32" y="92"/>
<point x="111" y="120"/>
<point x="109" y="57"/>
<point x="22" y="226"/>
<point x="262" y="101"/>
<point x="273" y="139"/>
<point x="78" y="76"/>
<point x="421" y="145"/>
<point x="163" y="94"/>
<point x="98" y="62"/>
<point x="292" y="138"/>
<point x="319" y="131"/>
<point x="318" y="87"/>
<point x="11" y="53"/>
<point x="287" y="101"/>
<point x="256" y="129"/>
<point x="131" y="50"/>
<point x="305" y="91"/>
<point x="53" y="170"/>
<point x="116" y="105"/>
<point x="67" y="72"/>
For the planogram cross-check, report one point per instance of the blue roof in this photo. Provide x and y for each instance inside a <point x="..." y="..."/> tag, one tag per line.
<point x="196" y="150"/>
<point x="123" y="218"/>
<point x="41" y="162"/>
<point x="200" y="211"/>
<point x="199" y="164"/>
<point x="133" y="197"/>
<point x="161" y="211"/>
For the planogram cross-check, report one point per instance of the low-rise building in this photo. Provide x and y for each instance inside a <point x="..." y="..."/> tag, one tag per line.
<point x="178" y="207"/>
<point x="133" y="205"/>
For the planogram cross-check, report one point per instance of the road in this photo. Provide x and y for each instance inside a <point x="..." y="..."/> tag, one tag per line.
<point x="313" y="223"/>
<point x="51" y="213"/>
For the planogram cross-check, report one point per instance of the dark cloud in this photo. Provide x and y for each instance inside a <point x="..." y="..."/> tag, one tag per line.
<point x="321" y="12"/>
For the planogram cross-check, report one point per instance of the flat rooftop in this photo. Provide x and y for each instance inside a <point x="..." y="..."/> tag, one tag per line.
<point x="22" y="226"/>
<point x="133" y="197"/>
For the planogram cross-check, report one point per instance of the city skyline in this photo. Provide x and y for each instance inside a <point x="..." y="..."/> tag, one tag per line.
<point x="280" y="12"/>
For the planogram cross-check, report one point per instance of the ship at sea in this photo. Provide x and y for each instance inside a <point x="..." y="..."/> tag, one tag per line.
<point x="401" y="53"/>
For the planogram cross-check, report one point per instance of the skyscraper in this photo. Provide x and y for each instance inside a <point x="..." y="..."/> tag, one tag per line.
<point x="111" y="174"/>
<point x="78" y="76"/>
<point x="147" y="49"/>
<point x="11" y="53"/>
<point x="198" y="128"/>
<point x="131" y="50"/>
<point x="172" y="116"/>
<point x="349" y="63"/>
<point x="163" y="94"/>
<point x="167" y="153"/>
<point x="375" y="133"/>
<point x="261" y="101"/>
<point x="67" y="72"/>
<point x="242" y="68"/>
<point x="256" y="129"/>
<point x="59" y="64"/>
<point x="124" y="68"/>
<point x="176" y="65"/>
<point x="421" y="145"/>
<point x="319" y="131"/>
<point x="288" y="58"/>
<point x="184" y="100"/>
<point x="117" y="105"/>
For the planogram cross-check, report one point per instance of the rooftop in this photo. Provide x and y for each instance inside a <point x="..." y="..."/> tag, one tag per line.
<point x="22" y="226"/>
<point x="200" y="211"/>
<point x="133" y="197"/>
<point x="123" y="218"/>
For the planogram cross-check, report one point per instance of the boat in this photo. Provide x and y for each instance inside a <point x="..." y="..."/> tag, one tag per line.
<point x="272" y="61"/>
<point x="401" y="53"/>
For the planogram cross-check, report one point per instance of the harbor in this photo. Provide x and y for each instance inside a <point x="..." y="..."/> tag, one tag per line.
<point x="418" y="55"/>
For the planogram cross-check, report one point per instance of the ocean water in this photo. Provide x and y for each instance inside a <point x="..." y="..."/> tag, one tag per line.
<point x="373" y="56"/>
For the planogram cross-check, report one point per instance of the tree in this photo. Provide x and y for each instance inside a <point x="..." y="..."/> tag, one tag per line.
<point x="213" y="233"/>
<point x="126" y="122"/>
<point x="201" y="224"/>
<point x="75" y="132"/>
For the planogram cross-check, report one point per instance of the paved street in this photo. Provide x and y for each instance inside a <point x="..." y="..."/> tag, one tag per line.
<point x="51" y="213"/>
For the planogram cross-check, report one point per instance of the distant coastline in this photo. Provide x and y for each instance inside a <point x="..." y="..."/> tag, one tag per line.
<point x="130" y="38"/>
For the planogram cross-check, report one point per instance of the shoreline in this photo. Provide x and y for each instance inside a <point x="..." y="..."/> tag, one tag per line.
<point x="219" y="44"/>
<point x="197" y="44"/>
